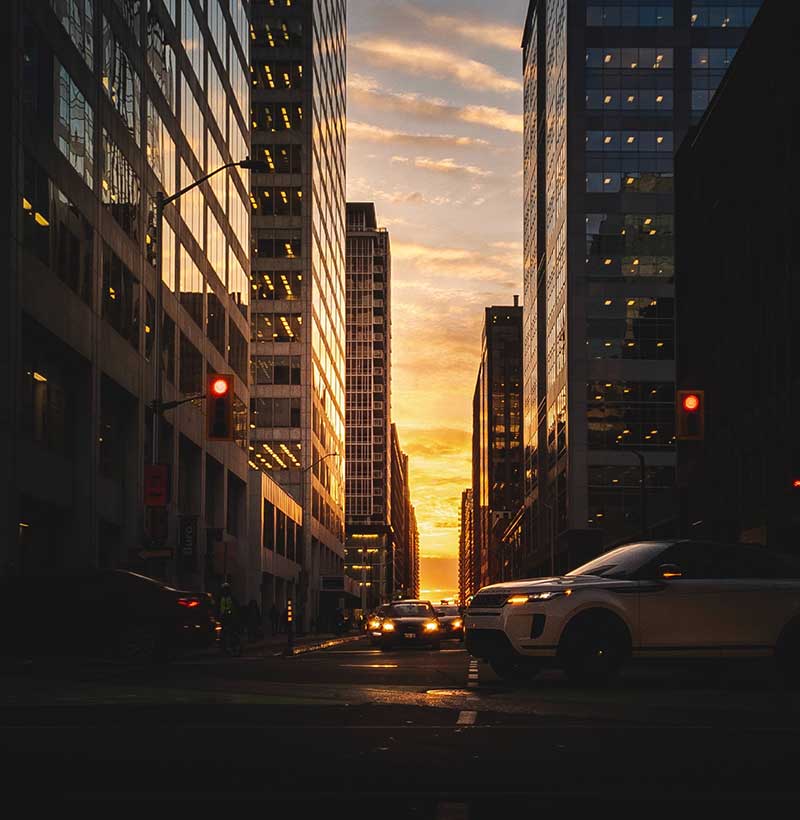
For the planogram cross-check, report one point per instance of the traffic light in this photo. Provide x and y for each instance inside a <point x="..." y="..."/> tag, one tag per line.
<point x="690" y="415"/>
<point x="219" y="407"/>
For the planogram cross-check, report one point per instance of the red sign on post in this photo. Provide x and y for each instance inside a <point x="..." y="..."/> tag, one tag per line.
<point x="156" y="485"/>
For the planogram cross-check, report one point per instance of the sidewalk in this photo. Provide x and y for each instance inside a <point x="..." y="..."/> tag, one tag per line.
<point x="278" y="644"/>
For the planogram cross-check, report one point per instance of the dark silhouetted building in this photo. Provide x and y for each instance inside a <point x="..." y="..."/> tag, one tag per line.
<point x="370" y="555"/>
<point x="738" y="302"/>
<point x="297" y="119"/>
<point x="466" y="552"/>
<point x="107" y="104"/>
<point x="610" y="88"/>
<point x="496" y="439"/>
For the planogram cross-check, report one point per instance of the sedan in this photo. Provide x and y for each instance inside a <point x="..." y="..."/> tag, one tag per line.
<point x="105" y="612"/>
<point x="407" y="623"/>
<point x="451" y="622"/>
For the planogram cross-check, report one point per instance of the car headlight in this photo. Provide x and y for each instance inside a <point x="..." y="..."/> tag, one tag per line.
<point x="388" y="626"/>
<point x="375" y="624"/>
<point x="457" y="623"/>
<point x="526" y="598"/>
<point x="431" y="626"/>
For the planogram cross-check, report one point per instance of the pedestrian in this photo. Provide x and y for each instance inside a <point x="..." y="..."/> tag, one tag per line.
<point x="273" y="617"/>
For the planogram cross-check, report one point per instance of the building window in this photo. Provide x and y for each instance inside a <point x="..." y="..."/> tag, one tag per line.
<point x="275" y="370"/>
<point x="277" y="327"/>
<point x="45" y="404"/>
<point x="278" y="286"/>
<point x="191" y="368"/>
<point x="280" y="201"/>
<point x="708" y="68"/>
<point x="277" y="75"/>
<point x="280" y="412"/>
<point x="56" y="232"/>
<point x="616" y="14"/>
<point x="277" y="33"/>
<point x="74" y="126"/>
<point x="272" y="117"/>
<point x="121" y="189"/>
<point x="240" y="426"/>
<point x="215" y="322"/>
<point x="77" y="17"/>
<point x="192" y="287"/>
<point x="120" y="81"/>
<point x="120" y="297"/>
<point x="276" y="455"/>
<point x="276" y="244"/>
<point x="721" y="14"/>
<point x="629" y="245"/>
<point x="632" y="413"/>
<point x="237" y="351"/>
<point x="632" y="327"/>
<point x="161" y="59"/>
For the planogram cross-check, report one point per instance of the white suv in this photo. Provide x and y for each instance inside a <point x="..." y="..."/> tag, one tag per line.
<point x="665" y="599"/>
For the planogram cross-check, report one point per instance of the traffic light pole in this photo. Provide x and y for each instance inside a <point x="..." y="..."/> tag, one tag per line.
<point x="158" y="384"/>
<point x="643" y="482"/>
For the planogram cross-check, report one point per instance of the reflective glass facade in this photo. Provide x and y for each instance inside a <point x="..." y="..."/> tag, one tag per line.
<point x="610" y="91"/>
<point x="497" y="457"/>
<point x="110" y="103"/>
<point x="297" y="273"/>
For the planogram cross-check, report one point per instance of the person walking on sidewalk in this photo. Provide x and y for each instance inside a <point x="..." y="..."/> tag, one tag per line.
<point x="273" y="617"/>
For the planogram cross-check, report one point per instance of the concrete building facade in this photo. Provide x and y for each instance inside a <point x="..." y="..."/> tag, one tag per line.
<point x="370" y="545"/>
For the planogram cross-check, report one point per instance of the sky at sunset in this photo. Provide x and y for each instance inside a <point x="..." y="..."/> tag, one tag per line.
<point x="434" y="138"/>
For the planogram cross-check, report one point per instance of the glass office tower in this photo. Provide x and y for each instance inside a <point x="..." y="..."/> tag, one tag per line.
<point x="297" y="71"/>
<point x="497" y="453"/>
<point x="610" y="90"/>
<point x="109" y="103"/>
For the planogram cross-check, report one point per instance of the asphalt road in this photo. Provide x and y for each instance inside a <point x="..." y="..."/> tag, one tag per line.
<point x="414" y="733"/>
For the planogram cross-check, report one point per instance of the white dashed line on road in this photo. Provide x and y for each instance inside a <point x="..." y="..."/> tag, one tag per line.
<point x="466" y="718"/>
<point x="473" y="678"/>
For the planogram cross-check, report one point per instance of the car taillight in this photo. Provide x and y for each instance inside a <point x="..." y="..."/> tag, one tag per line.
<point x="188" y="602"/>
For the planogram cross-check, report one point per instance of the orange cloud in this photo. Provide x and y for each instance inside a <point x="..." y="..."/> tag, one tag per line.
<point x="483" y="32"/>
<point x="364" y="132"/>
<point x="433" y="62"/>
<point x="363" y="90"/>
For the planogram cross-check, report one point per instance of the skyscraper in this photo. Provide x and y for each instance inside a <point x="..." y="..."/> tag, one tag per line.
<point x="297" y="70"/>
<point x="108" y="104"/>
<point x="466" y="575"/>
<point x="369" y="553"/>
<point x="610" y="90"/>
<point x="497" y="439"/>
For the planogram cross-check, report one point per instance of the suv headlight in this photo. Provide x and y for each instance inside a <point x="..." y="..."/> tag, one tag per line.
<point x="526" y="598"/>
<point x="388" y="626"/>
<point x="431" y="626"/>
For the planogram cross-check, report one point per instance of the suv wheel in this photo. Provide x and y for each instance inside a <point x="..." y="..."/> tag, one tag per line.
<point x="593" y="650"/>
<point x="513" y="669"/>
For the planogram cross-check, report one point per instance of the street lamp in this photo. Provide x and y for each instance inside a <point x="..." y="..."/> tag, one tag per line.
<point x="161" y="202"/>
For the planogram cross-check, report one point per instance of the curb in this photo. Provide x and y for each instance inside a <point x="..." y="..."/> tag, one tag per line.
<point x="302" y="649"/>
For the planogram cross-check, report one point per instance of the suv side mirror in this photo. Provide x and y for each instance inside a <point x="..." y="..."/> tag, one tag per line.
<point x="669" y="571"/>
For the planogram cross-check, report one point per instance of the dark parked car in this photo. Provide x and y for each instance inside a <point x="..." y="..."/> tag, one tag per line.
<point x="407" y="623"/>
<point x="451" y="622"/>
<point x="111" y="613"/>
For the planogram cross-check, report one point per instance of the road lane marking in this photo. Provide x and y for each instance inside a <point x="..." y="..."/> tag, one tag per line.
<point x="473" y="677"/>
<point x="466" y="718"/>
<point x="369" y="665"/>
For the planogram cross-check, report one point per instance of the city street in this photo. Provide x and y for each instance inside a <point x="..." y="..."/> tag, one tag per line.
<point x="434" y="734"/>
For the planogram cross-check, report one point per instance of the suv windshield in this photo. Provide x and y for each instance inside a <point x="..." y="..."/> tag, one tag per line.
<point x="411" y="611"/>
<point x="623" y="562"/>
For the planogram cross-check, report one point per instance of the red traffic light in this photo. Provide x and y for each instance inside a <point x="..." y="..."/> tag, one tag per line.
<point x="219" y="387"/>
<point x="219" y="407"/>
<point x="691" y="403"/>
<point x="796" y="484"/>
